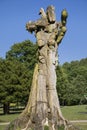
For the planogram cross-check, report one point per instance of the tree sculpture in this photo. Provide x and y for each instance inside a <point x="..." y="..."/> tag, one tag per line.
<point x="43" y="108"/>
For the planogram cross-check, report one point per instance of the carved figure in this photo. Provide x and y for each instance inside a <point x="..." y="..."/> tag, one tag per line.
<point x="43" y="108"/>
<point x="49" y="34"/>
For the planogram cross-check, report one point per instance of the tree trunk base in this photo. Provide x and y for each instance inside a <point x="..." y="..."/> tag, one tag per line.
<point x="39" y="114"/>
<point x="24" y="123"/>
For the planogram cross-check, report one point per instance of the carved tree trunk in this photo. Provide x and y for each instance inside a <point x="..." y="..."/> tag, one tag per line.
<point x="43" y="108"/>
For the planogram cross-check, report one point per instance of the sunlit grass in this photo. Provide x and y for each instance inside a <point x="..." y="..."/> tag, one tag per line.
<point x="2" y="127"/>
<point x="82" y="126"/>
<point x="8" y="118"/>
<point x="78" y="112"/>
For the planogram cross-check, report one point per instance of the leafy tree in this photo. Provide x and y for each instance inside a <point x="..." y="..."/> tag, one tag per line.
<point x="14" y="84"/>
<point x="16" y="74"/>
<point x="62" y="85"/>
<point x="25" y="52"/>
<point x="77" y="76"/>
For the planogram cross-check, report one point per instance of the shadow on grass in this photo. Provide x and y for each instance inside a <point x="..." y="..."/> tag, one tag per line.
<point x="13" y="111"/>
<point x="82" y="112"/>
<point x="2" y="121"/>
<point x="1" y="114"/>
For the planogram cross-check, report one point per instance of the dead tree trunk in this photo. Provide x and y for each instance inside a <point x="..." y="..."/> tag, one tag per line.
<point x="43" y="108"/>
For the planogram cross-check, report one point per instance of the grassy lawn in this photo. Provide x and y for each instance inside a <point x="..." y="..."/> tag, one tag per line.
<point x="2" y="127"/>
<point x="78" y="112"/>
<point x="82" y="126"/>
<point x="8" y="118"/>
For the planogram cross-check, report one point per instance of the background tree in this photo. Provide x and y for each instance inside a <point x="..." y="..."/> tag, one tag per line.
<point x="24" y="52"/>
<point x="77" y="76"/>
<point x="14" y="83"/>
<point x="16" y="74"/>
<point x="62" y="85"/>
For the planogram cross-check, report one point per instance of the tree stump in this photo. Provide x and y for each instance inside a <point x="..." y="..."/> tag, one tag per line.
<point x="43" y="109"/>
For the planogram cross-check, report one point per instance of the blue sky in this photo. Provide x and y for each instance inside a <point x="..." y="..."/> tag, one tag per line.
<point x="14" y="14"/>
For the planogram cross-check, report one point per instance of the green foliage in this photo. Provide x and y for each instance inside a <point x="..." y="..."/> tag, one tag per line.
<point x="62" y="85"/>
<point x="24" y="52"/>
<point x="14" y="81"/>
<point x="72" y="82"/>
<point x="16" y="72"/>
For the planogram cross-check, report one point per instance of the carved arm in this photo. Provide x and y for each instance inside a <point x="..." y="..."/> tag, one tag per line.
<point x="62" y="29"/>
<point x="35" y="26"/>
<point x="31" y="26"/>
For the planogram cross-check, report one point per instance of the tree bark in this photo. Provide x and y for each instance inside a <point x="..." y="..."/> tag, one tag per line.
<point x="43" y="108"/>
<point x="6" y="108"/>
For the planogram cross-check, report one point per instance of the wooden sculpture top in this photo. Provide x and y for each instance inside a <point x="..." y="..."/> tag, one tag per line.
<point x="47" y="24"/>
<point x="48" y="31"/>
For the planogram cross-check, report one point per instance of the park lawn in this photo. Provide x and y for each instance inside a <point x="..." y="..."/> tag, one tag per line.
<point x="82" y="126"/>
<point x="2" y="127"/>
<point x="8" y="118"/>
<point x="78" y="112"/>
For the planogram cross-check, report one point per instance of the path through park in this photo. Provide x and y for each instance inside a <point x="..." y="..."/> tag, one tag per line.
<point x="72" y="121"/>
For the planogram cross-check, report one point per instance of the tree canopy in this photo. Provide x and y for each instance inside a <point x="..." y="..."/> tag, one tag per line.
<point x="16" y="73"/>
<point x="76" y="72"/>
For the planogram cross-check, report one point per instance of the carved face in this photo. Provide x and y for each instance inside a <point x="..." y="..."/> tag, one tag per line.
<point x="51" y="14"/>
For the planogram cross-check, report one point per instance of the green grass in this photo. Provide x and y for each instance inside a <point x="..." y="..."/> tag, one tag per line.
<point x="82" y="126"/>
<point x="78" y="112"/>
<point x="2" y="127"/>
<point x="8" y="118"/>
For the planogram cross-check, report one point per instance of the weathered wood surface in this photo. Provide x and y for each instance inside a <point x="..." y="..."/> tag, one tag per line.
<point x="43" y="107"/>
